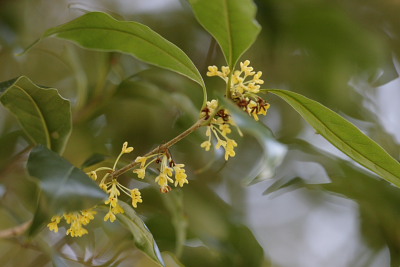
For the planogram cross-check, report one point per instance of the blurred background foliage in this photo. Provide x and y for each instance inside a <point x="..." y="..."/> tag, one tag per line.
<point x="318" y="209"/>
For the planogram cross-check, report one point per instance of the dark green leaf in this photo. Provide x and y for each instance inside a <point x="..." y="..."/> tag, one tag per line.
<point x="344" y="135"/>
<point x="141" y="235"/>
<point x="100" y="31"/>
<point x="245" y="243"/>
<point x="231" y="22"/>
<point x="64" y="187"/>
<point x="43" y="114"/>
<point x="93" y="159"/>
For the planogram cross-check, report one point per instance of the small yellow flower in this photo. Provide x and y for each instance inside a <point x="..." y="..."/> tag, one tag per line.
<point x="141" y="172"/>
<point x="53" y="226"/>
<point x="206" y="145"/>
<point x="236" y="78"/>
<point x="70" y="217"/>
<point x="93" y="175"/>
<point x="110" y="216"/>
<point x="76" y="230"/>
<point x="117" y="209"/>
<point x="253" y="88"/>
<point x="136" y="197"/>
<point x="212" y="105"/>
<point x="230" y="145"/>
<point x="87" y="216"/>
<point x="162" y="179"/>
<point x="142" y="161"/>
<point x="225" y="129"/>
<point x="220" y="143"/>
<point x="225" y="71"/>
<point x="212" y="71"/>
<point x="126" y="149"/>
<point x="257" y="77"/>
<point x="180" y="175"/>
<point x="103" y="186"/>
<point x="114" y="189"/>
<point x="113" y="193"/>
<point x="76" y="220"/>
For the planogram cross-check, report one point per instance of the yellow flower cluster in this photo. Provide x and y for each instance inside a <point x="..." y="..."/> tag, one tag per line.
<point x="112" y="187"/>
<point x="76" y="219"/>
<point x="167" y="169"/>
<point x="244" y="87"/>
<point x="219" y="127"/>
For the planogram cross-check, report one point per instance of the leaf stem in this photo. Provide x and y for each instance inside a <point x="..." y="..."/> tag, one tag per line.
<point x="201" y="122"/>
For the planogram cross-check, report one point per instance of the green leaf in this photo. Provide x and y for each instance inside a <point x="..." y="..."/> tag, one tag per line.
<point x="42" y="113"/>
<point x="100" y="31"/>
<point x="231" y="22"/>
<point x="63" y="186"/>
<point x="141" y="235"/>
<point x="344" y="135"/>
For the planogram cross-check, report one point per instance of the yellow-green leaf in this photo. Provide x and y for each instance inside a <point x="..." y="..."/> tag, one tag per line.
<point x="231" y="22"/>
<point x="43" y="114"/>
<point x="344" y="135"/>
<point x="100" y="31"/>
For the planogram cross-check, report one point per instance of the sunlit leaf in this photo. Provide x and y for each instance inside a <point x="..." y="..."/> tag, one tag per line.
<point x="231" y="22"/>
<point x="274" y="152"/>
<point x="141" y="235"/>
<point x="42" y="113"/>
<point x="63" y="186"/>
<point x="100" y="31"/>
<point x="344" y="135"/>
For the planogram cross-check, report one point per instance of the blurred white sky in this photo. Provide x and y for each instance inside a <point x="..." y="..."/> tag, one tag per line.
<point x="127" y="6"/>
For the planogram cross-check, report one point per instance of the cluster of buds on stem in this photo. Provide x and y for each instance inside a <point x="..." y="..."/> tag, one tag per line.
<point x="244" y="85"/>
<point x="219" y="127"/>
<point x="242" y="88"/>
<point x="167" y="168"/>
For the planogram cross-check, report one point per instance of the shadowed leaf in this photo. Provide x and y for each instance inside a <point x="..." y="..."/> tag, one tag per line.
<point x="63" y="186"/>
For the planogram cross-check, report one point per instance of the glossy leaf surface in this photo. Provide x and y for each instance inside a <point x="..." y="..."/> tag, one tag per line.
<point x="100" y="31"/>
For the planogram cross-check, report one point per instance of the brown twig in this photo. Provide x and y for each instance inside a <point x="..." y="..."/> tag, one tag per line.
<point x="162" y="147"/>
<point x="15" y="231"/>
